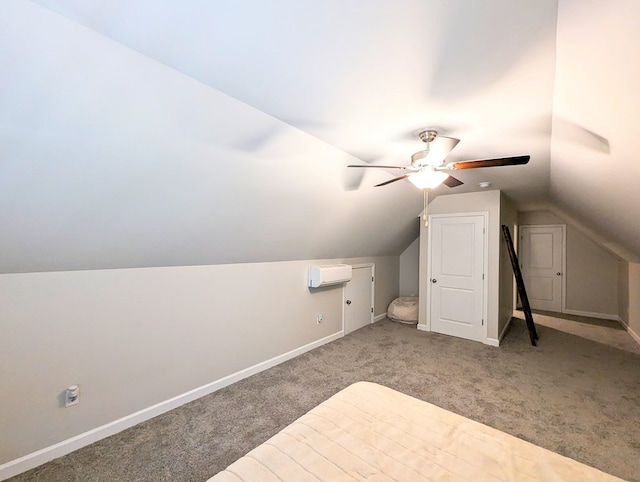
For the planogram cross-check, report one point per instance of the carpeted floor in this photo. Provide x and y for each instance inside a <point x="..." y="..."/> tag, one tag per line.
<point x="571" y="394"/>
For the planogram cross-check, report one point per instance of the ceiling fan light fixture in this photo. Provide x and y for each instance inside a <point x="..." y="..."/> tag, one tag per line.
<point x="427" y="178"/>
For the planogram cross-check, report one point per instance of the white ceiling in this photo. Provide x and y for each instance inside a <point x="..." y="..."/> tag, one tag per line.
<point x="156" y="133"/>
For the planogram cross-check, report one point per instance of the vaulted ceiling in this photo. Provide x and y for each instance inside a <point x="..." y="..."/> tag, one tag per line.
<point x="157" y="133"/>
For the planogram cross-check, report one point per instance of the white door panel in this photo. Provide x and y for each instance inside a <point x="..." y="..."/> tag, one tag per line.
<point x="541" y="261"/>
<point x="456" y="282"/>
<point x="458" y="251"/>
<point x="456" y="305"/>
<point x="358" y="295"/>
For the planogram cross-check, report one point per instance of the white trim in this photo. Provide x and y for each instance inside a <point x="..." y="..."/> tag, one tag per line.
<point x="623" y="323"/>
<point x="634" y="335"/>
<point x="492" y="342"/>
<point x="563" y="295"/>
<point x="626" y="326"/>
<point x="344" y="303"/>
<point x="504" y="330"/>
<point x="32" y="460"/>
<point x="423" y="289"/>
<point x="485" y="285"/>
<point x="363" y="265"/>
<point x="379" y="317"/>
<point x="373" y="291"/>
<point x="427" y="325"/>
<point x="591" y="314"/>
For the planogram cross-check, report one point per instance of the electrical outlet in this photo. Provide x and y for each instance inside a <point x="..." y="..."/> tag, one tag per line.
<point x="71" y="396"/>
<point x="319" y="318"/>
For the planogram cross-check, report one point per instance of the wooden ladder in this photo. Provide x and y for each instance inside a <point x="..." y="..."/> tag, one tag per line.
<point x="533" y="334"/>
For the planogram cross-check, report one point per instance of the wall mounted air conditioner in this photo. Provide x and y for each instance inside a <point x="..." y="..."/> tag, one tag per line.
<point x="328" y="274"/>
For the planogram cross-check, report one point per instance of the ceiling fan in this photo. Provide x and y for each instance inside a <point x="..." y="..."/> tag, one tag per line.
<point x="427" y="166"/>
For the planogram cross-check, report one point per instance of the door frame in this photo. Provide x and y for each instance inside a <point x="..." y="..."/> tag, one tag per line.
<point x="485" y="267"/>
<point x="563" y="281"/>
<point x="373" y="292"/>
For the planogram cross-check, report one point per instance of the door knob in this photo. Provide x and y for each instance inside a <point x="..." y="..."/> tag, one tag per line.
<point x="558" y="273"/>
<point x="348" y="302"/>
<point x="433" y="280"/>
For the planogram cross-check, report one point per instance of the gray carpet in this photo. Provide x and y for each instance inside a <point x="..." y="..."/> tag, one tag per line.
<point x="572" y="395"/>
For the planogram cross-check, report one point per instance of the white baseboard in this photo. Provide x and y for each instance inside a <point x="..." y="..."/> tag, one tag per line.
<point x="501" y="336"/>
<point x="422" y="327"/>
<point x="590" y="314"/>
<point x="32" y="460"/>
<point x="634" y="335"/>
<point x="626" y="326"/>
<point x="379" y="317"/>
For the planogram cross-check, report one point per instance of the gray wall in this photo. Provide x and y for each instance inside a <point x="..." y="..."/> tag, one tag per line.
<point x="538" y="217"/>
<point x="387" y="273"/>
<point x="630" y="279"/>
<point x="409" y="268"/>
<point x="508" y="217"/>
<point x="133" y="338"/>
<point x="592" y="275"/>
<point x="592" y="271"/>
<point x="623" y="291"/>
<point x="634" y="299"/>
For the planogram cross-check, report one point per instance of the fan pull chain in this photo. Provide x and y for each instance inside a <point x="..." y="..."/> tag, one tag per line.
<point x="426" y="204"/>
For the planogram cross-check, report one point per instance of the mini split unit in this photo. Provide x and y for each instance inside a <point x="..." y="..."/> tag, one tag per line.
<point x="329" y="274"/>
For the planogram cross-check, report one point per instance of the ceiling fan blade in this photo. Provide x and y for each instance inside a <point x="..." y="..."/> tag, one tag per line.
<point x="399" y="178"/>
<point x="501" y="161"/>
<point x="452" y="182"/>
<point x="378" y="166"/>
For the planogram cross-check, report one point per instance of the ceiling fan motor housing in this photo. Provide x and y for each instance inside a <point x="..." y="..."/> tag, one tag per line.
<point x="420" y="158"/>
<point x="438" y="148"/>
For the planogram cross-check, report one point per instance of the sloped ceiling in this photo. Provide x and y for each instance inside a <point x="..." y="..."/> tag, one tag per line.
<point x="156" y="133"/>
<point x="595" y="146"/>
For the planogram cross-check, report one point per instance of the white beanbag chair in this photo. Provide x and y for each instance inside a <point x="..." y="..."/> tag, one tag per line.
<point x="404" y="310"/>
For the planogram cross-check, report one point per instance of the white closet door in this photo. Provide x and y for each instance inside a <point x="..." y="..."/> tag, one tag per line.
<point x="457" y="278"/>
<point x="358" y="297"/>
<point x="541" y="260"/>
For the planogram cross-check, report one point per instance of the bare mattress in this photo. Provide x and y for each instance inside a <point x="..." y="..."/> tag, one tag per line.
<point x="371" y="432"/>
